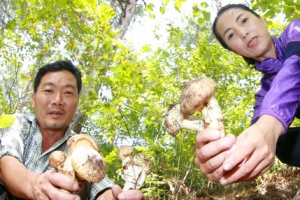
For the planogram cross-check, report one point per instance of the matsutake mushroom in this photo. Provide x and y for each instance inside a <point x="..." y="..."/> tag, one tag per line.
<point x="175" y="121"/>
<point x="135" y="169"/>
<point x="197" y="95"/>
<point x="83" y="161"/>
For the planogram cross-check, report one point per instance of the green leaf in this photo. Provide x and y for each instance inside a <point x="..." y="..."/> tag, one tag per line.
<point x="149" y="7"/>
<point x="162" y="10"/>
<point x="196" y="10"/>
<point x="6" y="120"/>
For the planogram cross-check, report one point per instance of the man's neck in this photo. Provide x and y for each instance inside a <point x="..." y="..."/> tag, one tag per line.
<point x="50" y="137"/>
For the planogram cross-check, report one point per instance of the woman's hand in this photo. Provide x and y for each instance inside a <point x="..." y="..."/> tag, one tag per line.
<point x="255" y="151"/>
<point x="211" y="151"/>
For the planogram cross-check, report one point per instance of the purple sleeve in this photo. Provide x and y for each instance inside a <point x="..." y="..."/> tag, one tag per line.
<point x="283" y="98"/>
<point x="259" y="96"/>
<point x="280" y="97"/>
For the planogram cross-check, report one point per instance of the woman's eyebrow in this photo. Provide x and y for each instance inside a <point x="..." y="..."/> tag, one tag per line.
<point x="236" y="20"/>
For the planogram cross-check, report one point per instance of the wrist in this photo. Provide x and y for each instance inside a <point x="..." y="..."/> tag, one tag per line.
<point x="271" y="123"/>
<point x="105" y="195"/>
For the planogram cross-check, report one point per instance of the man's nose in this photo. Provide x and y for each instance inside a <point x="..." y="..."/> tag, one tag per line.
<point x="57" y="99"/>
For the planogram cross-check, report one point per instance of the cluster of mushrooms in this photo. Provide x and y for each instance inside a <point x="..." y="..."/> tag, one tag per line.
<point x="197" y="95"/>
<point x="135" y="168"/>
<point x="83" y="163"/>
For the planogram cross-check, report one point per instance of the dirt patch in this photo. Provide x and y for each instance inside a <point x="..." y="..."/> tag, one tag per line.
<point x="281" y="184"/>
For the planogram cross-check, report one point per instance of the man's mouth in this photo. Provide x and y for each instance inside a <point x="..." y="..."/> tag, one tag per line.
<point x="56" y="112"/>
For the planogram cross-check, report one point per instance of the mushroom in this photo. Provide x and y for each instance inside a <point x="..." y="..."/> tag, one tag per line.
<point x="197" y="95"/>
<point x="175" y="121"/>
<point x="135" y="169"/>
<point x="83" y="161"/>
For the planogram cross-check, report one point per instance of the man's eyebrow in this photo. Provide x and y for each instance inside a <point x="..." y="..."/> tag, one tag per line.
<point x="47" y="83"/>
<point x="66" y="86"/>
<point x="236" y="20"/>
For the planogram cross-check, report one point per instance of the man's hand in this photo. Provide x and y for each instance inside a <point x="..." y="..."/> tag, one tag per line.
<point x="117" y="193"/>
<point x="25" y="184"/>
<point x="211" y="151"/>
<point x="53" y="185"/>
<point x="255" y="151"/>
<point x="120" y="194"/>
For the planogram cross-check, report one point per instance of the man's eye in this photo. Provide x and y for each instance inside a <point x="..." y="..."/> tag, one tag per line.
<point x="48" y="91"/>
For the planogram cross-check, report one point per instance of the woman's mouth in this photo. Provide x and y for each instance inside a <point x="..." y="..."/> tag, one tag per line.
<point x="252" y="42"/>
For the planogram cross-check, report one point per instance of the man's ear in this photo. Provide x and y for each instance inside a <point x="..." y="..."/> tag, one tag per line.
<point x="32" y="100"/>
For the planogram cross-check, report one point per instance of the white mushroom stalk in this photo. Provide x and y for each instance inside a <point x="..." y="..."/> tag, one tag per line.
<point x="83" y="161"/>
<point x="135" y="169"/>
<point x="198" y="95"/>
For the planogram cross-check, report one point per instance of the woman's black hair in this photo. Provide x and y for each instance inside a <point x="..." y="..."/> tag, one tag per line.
<point x="219" y="38"/>
<point x="58" y="66"/>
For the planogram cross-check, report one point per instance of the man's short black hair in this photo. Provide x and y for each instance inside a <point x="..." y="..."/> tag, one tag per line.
<point x="58" y="66"/>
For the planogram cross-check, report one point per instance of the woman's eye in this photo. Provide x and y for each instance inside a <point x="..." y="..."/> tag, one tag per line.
<point x="245" y="20"/>
<point x="230" y="36"/>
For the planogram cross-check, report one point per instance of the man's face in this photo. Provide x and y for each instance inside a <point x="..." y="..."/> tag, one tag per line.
<point x="55" y="100"/>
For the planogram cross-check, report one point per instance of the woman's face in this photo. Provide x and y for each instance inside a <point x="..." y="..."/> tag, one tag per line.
<point x="245" y="34"/>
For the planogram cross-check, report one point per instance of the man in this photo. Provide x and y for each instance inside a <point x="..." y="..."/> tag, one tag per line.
<point x="26" y="145"/>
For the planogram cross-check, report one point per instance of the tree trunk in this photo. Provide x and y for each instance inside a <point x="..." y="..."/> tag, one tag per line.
<point x="126" y="18"/>
<point x="77" y="122"/>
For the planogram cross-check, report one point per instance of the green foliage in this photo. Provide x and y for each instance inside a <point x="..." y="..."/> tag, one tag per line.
<point x="6" y="120"/>
<point x="127" y="92"/>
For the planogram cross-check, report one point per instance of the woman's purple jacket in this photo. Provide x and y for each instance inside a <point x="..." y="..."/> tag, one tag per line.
<point x="280" y="85"/>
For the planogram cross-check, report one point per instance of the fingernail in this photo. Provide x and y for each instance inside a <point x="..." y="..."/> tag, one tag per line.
<point x="75" y="186"/>
<point x="227" y="141"/>
<point x="223" y="181"/>
<point x="227" y="166"/>
<point x="121" y="196"/>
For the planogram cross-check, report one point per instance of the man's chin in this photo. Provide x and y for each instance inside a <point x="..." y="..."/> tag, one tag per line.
<point x="57" y="127"/>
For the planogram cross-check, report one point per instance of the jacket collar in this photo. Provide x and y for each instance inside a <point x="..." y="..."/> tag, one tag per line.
<point x="272" y="65"/>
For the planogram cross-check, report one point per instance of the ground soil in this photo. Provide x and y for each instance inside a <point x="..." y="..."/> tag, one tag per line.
<point x="280" y="184"/>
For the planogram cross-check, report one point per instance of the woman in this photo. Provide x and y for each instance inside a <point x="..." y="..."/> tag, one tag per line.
<point x="229" y="159"/>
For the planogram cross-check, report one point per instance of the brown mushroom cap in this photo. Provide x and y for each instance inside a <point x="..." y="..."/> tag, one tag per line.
<point x="88" y="164"/>
<point x="81" y="140"/>
<point x="56" y="159"/>
<point x="196" y="94"/>
<point x="125" y="152"/>
<point x="172" y="119"/>
<point x="142" y="160"/>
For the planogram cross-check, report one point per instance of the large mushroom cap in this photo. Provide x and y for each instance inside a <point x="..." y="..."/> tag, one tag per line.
<point x="196" y="94"/>
<point x="172" y="119"/>
<point x="88" y="164"/>
<point x="81" y="140"/>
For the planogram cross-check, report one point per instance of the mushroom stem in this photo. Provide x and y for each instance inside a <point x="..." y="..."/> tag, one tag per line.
<point x="193" y="125"/>
<point x="175" y="120"/>
<point x="212" y="116"/>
